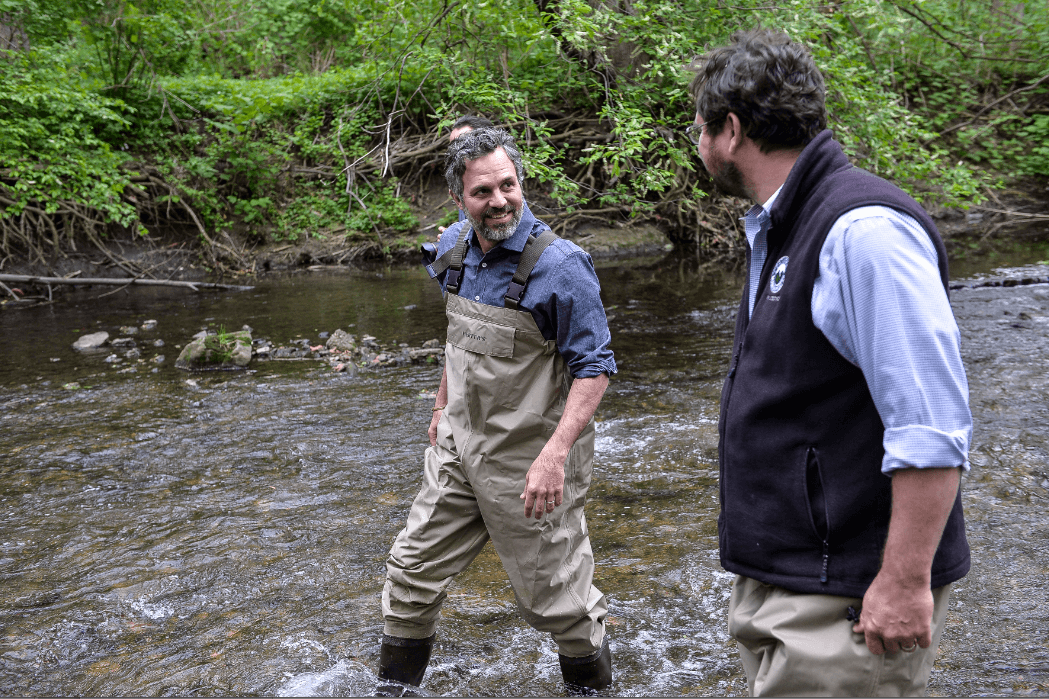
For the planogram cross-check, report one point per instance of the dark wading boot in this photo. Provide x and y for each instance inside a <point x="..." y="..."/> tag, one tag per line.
<point x="402" y="661"/>
<point x="590" y="676"/>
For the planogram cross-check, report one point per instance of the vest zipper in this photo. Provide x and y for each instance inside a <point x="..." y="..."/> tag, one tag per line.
<point x="735" y="359"/>
<point x="817" y="496"/>
<point x="826" y="561"/>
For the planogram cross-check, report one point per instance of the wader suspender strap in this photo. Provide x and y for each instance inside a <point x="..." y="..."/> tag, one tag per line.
<point x="453" y="262"/>
<point x="529" y="257"/>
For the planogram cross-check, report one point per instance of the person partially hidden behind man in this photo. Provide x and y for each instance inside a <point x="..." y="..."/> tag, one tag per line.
<point x="844" y="417"/>
<point x="526" y="363"/>
<point x="463" y="124"/>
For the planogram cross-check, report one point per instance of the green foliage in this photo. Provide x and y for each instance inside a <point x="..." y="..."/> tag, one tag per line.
<point x="279" y="117"/>
<point x="1010" y="143"/>
<point x="966" y="70"/>
<point x="50" y="149"/>
<point x="273" y="37"/>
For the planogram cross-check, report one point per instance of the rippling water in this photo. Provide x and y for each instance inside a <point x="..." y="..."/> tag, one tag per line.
<point x="162" y="534"/>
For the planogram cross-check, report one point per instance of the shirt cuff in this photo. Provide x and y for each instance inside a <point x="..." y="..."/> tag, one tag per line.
<point x="920" y="446"/>
<point x="607" y="366"/>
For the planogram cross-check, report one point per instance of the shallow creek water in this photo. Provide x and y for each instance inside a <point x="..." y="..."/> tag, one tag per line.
<point x="225" y="533"/>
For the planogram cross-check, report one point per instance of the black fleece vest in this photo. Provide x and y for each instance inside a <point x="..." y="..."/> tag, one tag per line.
<point x="804" y="504"/>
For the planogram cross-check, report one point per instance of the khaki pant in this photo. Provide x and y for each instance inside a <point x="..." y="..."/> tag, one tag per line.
<point x="507" y="387"/>
<point x="794" y="644"/>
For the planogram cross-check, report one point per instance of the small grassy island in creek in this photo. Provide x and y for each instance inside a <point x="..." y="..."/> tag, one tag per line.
<point x="156" y="139"/>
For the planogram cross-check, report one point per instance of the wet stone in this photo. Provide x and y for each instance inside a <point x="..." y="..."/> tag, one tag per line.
<point x="124" y="342"/>
<point x="128" y="330"/>
<point x="341" y="341"/>
<point x="230" y="351"/>
<point x="149" y="325"/>
<point x="91" y="341"/>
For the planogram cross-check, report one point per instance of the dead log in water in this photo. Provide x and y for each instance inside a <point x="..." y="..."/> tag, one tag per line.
<point x="195" y="286"/>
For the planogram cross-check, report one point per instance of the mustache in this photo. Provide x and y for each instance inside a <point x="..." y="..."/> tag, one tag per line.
<point x="508" y="209"/>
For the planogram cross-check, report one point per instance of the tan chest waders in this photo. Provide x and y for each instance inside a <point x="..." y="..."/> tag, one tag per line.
<point x="507" y="387"/>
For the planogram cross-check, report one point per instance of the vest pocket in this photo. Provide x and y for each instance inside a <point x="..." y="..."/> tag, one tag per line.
<point x="817" y="503"/>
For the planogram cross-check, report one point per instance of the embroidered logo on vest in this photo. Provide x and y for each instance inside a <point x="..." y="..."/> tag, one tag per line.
<point x="779" y="274"/>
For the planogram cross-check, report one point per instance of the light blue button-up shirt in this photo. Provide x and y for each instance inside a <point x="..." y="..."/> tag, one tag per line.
<point x="879" y="301"/>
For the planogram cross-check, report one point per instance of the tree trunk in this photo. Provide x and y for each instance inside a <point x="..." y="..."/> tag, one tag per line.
<point x="13" y="37"/>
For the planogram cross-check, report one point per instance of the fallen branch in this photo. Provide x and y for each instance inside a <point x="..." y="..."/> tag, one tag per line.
<point x="195" y="286"/>
<point x="1040" y="217"/>
<point x="6" y="288"/>
<point x="998" y="101"/>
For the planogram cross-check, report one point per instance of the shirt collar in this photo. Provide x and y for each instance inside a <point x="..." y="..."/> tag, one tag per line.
<point x="767" y="206"/>
<point x="760" y="212"/>
<point x="757" y="219"/>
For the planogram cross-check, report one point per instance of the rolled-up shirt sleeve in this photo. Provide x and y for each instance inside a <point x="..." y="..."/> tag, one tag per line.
<point x="880" y="302"/>
<point x="574" y="304"/>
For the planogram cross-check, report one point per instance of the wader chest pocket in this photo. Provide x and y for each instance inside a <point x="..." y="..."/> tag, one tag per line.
<point x="475" y="335"/>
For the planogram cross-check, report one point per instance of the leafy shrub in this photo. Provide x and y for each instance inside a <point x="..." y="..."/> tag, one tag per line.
<point x="51" y="151"/>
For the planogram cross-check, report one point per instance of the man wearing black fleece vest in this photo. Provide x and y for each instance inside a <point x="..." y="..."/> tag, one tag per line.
<point x="844" y="417"/>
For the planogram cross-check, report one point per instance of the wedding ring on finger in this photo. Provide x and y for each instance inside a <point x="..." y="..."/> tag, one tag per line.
<point x="909" y="649"/>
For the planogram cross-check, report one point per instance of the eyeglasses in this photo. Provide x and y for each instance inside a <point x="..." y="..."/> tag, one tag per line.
<point x="695" y="132"/>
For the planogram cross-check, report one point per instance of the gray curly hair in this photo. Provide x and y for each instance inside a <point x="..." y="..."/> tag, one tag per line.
<point x="477" y="144"/>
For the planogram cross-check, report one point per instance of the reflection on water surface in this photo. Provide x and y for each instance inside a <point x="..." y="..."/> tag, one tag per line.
<point x="227" y="535"/>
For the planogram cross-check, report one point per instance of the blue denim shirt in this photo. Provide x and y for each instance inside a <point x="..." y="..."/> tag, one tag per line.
<point x="563" y="294"/>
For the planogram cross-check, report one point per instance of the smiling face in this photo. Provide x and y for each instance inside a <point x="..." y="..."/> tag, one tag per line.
<point x="492" y="197"/>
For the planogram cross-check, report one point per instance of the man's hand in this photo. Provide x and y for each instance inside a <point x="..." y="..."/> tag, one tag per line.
<point x="895" y="616"/>
<point x="545" y="481"/>
<point x="898" y="606"/>
<point x="432" y="432"/>
<point x="442" y="400"/>
<point x="544" y="484"/>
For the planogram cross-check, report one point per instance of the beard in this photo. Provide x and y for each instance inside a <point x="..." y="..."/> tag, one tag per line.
<point x="726" y="176"/>
<point x="496" y="234"/>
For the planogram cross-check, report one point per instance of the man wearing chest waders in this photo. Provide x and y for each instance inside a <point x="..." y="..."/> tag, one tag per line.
<point x="844" y="418"/>
<point x="526" y="363"/>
